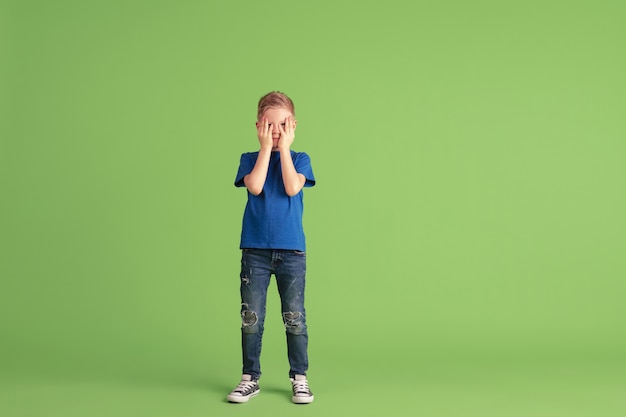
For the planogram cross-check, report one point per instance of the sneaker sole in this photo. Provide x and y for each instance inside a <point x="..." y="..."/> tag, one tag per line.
<point x="302" y="400"/>
<point x="241" y="399"/>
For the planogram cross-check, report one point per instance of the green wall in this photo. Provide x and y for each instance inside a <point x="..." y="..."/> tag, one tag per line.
<point x="466" y="235"/>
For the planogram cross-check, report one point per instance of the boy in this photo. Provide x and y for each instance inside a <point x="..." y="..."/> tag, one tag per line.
<point x="272" y="242"/>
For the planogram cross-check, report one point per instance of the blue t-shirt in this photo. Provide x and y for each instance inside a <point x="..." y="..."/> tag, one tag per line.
<point x="272" y="219"/>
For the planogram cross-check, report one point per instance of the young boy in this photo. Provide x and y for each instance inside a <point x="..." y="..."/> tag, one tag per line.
<point x="272" y="242"/>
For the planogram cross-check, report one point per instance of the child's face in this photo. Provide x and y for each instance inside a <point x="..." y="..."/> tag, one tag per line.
<point x="275" y="116"/>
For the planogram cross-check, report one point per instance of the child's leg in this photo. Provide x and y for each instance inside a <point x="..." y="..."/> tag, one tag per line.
<point x="290" y="277"/>
<point x="255" y="278"/>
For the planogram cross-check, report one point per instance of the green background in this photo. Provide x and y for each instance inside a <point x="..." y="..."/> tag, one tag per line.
<point x="465" y="237"/>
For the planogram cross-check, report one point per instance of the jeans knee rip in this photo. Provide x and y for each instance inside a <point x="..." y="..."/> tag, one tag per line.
<point x="293" y="320"/>
<point x="248" y="317"/>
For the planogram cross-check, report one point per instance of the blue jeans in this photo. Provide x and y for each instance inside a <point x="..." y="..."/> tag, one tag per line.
<point x="289" y="267"/>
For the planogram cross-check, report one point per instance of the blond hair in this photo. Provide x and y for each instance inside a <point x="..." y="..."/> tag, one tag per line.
<point x="275" y="99"/>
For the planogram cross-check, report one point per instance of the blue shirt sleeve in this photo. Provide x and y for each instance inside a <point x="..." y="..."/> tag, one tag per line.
<point x="246" y="164"/>
<point x="302" y="163"/>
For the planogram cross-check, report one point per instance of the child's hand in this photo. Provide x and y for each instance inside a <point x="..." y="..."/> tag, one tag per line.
<point x="287" y="134"/>
<point x="264" y="133"/>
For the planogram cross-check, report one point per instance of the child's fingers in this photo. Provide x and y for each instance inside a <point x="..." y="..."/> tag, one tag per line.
<point x="264" y="127"/>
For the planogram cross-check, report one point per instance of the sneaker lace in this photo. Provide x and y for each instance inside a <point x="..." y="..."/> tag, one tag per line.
<point x="245" y="386"/>
<point x="301" y="387"/>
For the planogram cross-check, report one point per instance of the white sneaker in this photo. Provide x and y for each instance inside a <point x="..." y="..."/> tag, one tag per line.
<point x="301" y="392"/>
<point x="246" y="389"/>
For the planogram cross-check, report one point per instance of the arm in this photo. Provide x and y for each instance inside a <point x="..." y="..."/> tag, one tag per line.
<point x="255" y="180"/>
<point x="292" y="180"/>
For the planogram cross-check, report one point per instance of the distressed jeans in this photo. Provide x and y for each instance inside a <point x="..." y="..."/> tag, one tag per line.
<point x="289" y="268"/>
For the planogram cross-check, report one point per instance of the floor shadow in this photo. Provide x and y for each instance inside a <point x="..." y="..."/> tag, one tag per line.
<point x="188" y="381"/>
